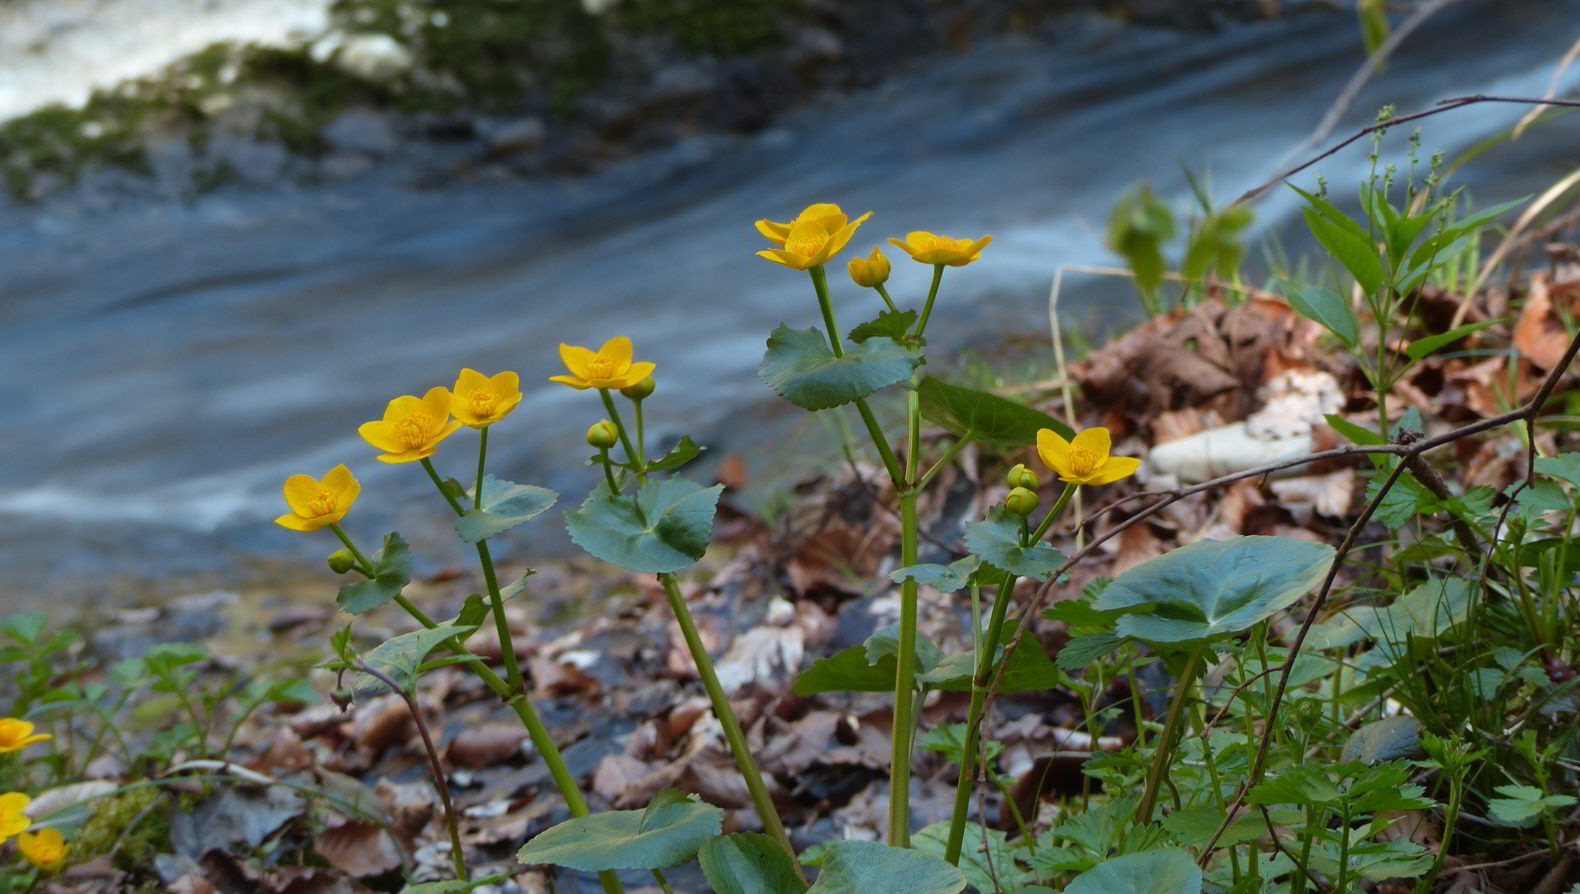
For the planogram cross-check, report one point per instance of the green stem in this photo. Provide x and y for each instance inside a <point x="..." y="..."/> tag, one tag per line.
<point x="641" y="435"/>
<point x="880" y="441"/>
<point x="367" y="567"/>
<point x="904" y="685"/>
<point x="726" y="716"/>
<point x="1162" y="750"/>
<point x="482" y="455"/>
<point x="943" y="461"/>
<point x="663" y="883"/>
<point x="1053" y="514"/>
<point x="608" y="471"/>
<point x="619" y="424"/>
<point x="986" y="652"/>
<point x="826" y="305"/>
<point x="884" y="294"/>
<point x="513" y="691"/>
<point x="932" y="293"/>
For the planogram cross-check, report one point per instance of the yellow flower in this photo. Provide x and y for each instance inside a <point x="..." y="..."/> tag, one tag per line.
<point x="480" y="400"/>
<point x="871" y="271"/>
<point x="46" y="849"/>
<point x="817" y="234"/>
<point x="12" y="819"/>
<point x="412" y="426"/>
<point x="931" y="248"/>
<point x="609" y="367"/>
<point x="317" y="503"/>
<point x="1084" y="460"/>
<point x="18" y="734"/>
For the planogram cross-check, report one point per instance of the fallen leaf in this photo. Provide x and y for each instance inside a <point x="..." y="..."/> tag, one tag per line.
<point x="358" y="849"/>
<point x="487" y="745"/>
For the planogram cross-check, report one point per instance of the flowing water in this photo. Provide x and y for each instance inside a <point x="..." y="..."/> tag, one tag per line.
<point x="163" y="366"/>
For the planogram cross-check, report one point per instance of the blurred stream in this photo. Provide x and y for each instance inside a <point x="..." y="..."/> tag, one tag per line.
<point x="163" y="367"/>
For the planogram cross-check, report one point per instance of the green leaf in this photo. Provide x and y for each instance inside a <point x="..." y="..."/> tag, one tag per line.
<point x="891" y="324"/>
<point x="749" y="863"/>
<point x="946" y="578"/>
<point x="667" y="834"/>
<point x="1442" y="242"/>
<point x="1358" y="434"/>
<point x="1564" y="465"/>
<point x="845" y="671"/>
<point x="1149" y="872"/>
<point x="997" y="541"/>
<point x="1424" y="346"/>
<point x="1426" y="612"/>
<point x="1357" y="253"/>
<point x="505" y="505"/>
<point x="1523" y="804"/>
<point x="664" y="527"/>
<point x="1138" y="227"/>
<point x="801" y="368"/>
<point x="391" y="574"/>
<point x="400" y="657"/>
<point x="1215" y="588"/>
<point x="1388" y="739"/>
<point x="1326" y="307"/>
<point x="684" y="451"/>
<point x="1085" y="649"/>
<point x="452" y="887"/>
<point x="885" y="643"/>
<point x="987" y="859"/>
<point x="950" y="741"/>
<point x="867" y="867"/>
<point x="1029" y="670"/>
<point x="980" y="416"/>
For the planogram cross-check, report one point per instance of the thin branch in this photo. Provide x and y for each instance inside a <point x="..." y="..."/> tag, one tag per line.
<point x="1443" y="105"/>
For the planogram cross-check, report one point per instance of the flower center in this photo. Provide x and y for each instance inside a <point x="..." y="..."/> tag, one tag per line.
<point x="412" y="432"/>
<point x="482" y="402"/>
<point x="602" y="367"/>
<point x="323" y="504"/>
<point x="1083" y="461"/>
<point x="806" y="247"/>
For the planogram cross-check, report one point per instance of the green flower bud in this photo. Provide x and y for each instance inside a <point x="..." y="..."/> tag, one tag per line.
<point x="1020" y="476"/>
<point x="640" y="390"/>
<point x="341" y="561"/>
<point x="342" y="697"/>
<point x="603" y="434"/>
<point x="1022" y="501"/>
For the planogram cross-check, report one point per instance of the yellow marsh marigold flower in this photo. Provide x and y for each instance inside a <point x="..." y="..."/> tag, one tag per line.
<point x="45" y="849"/>
<point x="871" y="271"/>
<point x="1084" y="460"/>
<point x="412" y="426"/>
<point x="608" y="367"/>
<point x="817" y="234"/>
<point x="931" y="248"/>
<point x="478" y="400"/>
<point x="18" y="734"/>
<point x="319" y="502"/>
<point x="12" y="820"/>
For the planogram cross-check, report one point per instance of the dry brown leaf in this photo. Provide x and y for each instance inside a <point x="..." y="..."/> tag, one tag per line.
<point x="1330" y="495"/>
<point x="486" y="745"/>
<point x="1539" y="334"/>
<point x="381" y="723"/>
<point x="358" y="848"/>
<point x="617" y="773"/>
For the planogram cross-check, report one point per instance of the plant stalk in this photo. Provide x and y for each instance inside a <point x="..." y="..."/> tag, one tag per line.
<point x="1162" y="750"/>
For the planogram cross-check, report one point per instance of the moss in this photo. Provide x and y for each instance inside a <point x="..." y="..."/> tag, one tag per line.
<point x="714" y="27"/>
<point x="130" y="825"/>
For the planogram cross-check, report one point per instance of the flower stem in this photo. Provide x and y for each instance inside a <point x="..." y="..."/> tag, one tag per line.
<point x="884" y="294"/>
<point x="943" y="461"/>
<point x="482" y="455"/>
<point x="726" y="716"/>
<point x="932" y="293"/>
<point x="641" y="433"/>
<point x="433" y="475"/>
<point x="1162" y="750"/>
<point x="367" y="567"/>
<point x="619" y="424"/>
<point x="986" y="652"/>
<point x="608" y="471"/>
<point x="826" y="305"/>
<point x="905" y="663"/>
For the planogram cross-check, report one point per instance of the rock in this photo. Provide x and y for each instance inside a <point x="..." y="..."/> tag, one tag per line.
<point x="362" y="131"/>
<point x="518" y="135"/>
<point x="255" y="162"/>
<point x="678" y="83"/>
<point x="375" y="57"/>
<point x="344" y="165"/>
<point x="1220" y="451"/>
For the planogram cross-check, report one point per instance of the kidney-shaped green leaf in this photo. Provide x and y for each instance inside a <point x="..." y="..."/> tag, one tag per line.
<point x="391" y="574"/>
<point x="984" y="417"/>
<point x="664" y="527"/>
<point x="1214" y="588"/>
<point x="867" y="867"/>
<point x="667" y="833"/>
<point x="505" y="505"/>
<point x="749" y="863"/>
<point x="1149" y="872"/>
<point x="801" y="368"/>
<point x="996" y="540"/>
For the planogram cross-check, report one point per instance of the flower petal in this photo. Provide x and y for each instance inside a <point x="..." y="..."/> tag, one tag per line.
<point x="576" y="382"/>
<point x="344" y="486"/>
<point x="618" y="348"/>
<point x="773" y="231"/>
<point x="576" y="358"/>
<point x="436" y="402"/>
<point x="1116" y="468"/>
<point x="377" y="433"/>
<point x="906" y="246"/>
<point x="469" y="380"/>
<point x="297" y="523"/>
<point x="637" y="373"/>
<point x="506" y="384"/>
<point x="301" y="490"/>
<point x="789" y="259"/>
<point x="1094" y="440"/>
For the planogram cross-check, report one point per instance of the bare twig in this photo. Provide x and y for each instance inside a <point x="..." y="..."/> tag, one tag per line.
<point x="439" y="782"/>
<point x="1443" y="105"/>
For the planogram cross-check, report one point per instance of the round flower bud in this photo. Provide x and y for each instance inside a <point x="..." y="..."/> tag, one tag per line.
<point x="640" y="390"/>
<point x="342" y="697"/>
<point x="1022" y="501"/>
<point x="871" y="271"/>
<point x="603" y="434"/>
<point x="341" y="561"/>
<point x="1020" y="476"/>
